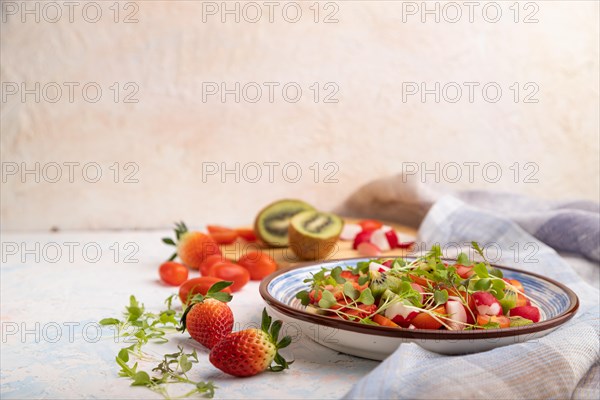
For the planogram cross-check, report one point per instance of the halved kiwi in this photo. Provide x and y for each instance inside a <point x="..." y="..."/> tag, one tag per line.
<point x="380" y="282"/>
<point x="271" y="223"/>
<point x="313" y="235"/>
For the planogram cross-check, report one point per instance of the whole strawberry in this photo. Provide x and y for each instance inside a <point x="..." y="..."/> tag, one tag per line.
<point x="208" y="319"/>
<point x="192" y="247"/>
<point x="251" y="351"/>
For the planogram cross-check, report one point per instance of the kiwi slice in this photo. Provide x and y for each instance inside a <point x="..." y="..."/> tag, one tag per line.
<point x="380" y="282"/>
<point x="314" y="234"/>
<point x="271" y="223"/>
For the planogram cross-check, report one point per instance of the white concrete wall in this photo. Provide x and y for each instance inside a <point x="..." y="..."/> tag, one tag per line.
<point x="371" y="54"/>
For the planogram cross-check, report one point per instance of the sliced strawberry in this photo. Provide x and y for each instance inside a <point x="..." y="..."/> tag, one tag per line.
<point x="464" y="271"/>
<point x="405" y="245"/>
<point x="247" y="234"/>
<point x="501" y="320"/>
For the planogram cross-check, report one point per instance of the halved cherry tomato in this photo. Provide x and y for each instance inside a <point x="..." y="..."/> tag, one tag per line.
<point x="228" y="271"/>
<point x="258" y="264"/>
<point x="209" y="262"/>
<point x="426" y="321"/>
<point x="370" y="224"/>
<point x="173" y="273"/>
<point x="501" y="320"/>
<point x="217" y="228"/>
<point x="198" y="286"/>
<point x="384" y="321"/>
<point x="224" y="235"/>
<point x="247" y="234"/>
<point x="464" y="271"/>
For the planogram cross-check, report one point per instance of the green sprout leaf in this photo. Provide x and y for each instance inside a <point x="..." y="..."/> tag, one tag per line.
<point x="327" y="299"/>
<point x="350" y="291"/>
<point x="366" y="297"/>
<point x="304" y="297"/>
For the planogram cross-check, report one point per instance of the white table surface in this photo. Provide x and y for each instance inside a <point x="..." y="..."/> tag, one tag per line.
<point x="51" y="347"/>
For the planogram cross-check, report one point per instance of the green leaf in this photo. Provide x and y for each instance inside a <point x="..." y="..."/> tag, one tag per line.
<point x="363" y="279"/>
<point x="304" y="297"/>
<point x="497" y="273"/>
<point x="336" y="274"/>
<point x="208" y="388"/>
<point x="221" y="296"/>
<point x="109" y="321"/>
<point x="217" y="287"/>
<point x="463" y="259"/>
<point x="478" y="249"/>
<point x="265" y="321"/>
<point x="497" y="288"/>
<point x="481" y="270"/>
<point x="123" y="355"/>
<point x="350" y="291"/>
<point x="184" y="363"/>
<point x="327" y="299"/>
<point x="275" y="328"/>
<point x="366" y="297"/>
<point x="141" y="378"/>
<point x="169" y="241"/>
<point x="284" y="342"/>
<point x="482" y="284"/>
<point x="440" y="297"/>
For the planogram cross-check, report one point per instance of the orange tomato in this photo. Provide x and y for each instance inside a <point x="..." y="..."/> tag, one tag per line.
<point x="426" y="321"/>
<point x="258" y="264"/>
<point x="384" y="321"/>
<point x="501" y="320"/>
<point x="196" y="286"/>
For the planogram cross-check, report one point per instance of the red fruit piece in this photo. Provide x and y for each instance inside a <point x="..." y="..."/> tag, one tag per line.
<point x="368" y="249"/>
<point x="370" y="224"/>
<point x="486" y="304"/>
<point x="173" y="273"/>
<point x="529" y="312"/>
<point x="228" y="271"/>
<point x="364" y="236"/>
<point x="405" y="245"/>
<point x="392" y="238"/>
<point x="198" y="286"/>
<point x="251" y="351"/>
<point x="464" y="271"/>
<point x="208" y="319"/>
<point x="247" y="234"/>
<point x="192" y="247"/>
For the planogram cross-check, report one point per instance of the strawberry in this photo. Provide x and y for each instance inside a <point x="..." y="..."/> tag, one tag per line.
<point x="251" y="351"/>
<point x="208" y="319"/>
<point x="192" y="247"/>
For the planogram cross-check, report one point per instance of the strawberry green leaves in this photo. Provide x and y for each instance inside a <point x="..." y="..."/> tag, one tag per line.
<point x="272" y="329"/>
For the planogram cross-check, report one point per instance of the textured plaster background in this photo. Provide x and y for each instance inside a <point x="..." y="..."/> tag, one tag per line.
<point x="170" y="132"/>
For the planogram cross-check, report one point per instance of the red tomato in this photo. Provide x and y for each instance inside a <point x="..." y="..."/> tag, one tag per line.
<point x="209" y="262"/>
<point x="258" y="264"/>
<point x="247" y="234"/>
<point x="225" y="236"/>
<point x="198" y="286"/>
<point x="231" y="272"/>
<point x="370" y="224"/>
<point x="216" y="228"/>
<point x="173" y="273"/>
<point x="426" y="321"/>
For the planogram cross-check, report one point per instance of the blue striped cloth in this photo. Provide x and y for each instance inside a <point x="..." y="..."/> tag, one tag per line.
<point x="561" y="365"/>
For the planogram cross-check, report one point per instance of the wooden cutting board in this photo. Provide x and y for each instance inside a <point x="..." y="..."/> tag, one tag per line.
<point x="285" y="257"/>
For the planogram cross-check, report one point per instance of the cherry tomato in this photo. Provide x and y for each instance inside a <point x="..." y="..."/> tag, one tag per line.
<point x="247" y="234"/>
<point x="173" y="273"/>
<point x="209" y="262"/>
<point x="224" y="237"/>
<point x="198" y="286"/>
<point x="370" y="225"/>
<point x="258" y="264"/>
<point x="228" y="271"/>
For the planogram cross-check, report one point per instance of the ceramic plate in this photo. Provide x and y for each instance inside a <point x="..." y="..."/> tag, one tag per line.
<point x="557" y="304"/>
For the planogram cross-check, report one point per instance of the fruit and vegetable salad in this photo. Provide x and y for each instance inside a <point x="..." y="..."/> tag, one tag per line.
<point x="425" y="293"/>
